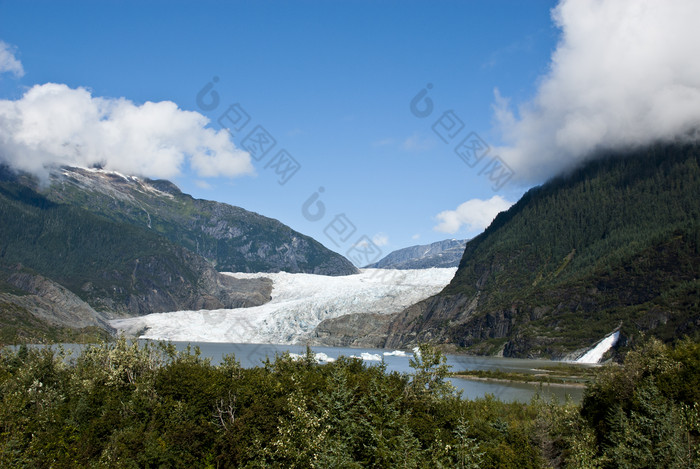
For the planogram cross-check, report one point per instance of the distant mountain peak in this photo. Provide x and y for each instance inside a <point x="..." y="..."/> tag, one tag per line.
<point x="445" y="253"/>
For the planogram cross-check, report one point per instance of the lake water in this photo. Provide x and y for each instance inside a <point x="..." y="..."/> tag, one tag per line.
<point x="251" y="355"/>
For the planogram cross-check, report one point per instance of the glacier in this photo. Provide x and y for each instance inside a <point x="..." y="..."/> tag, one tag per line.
<point x="396" y="353"/>
<point x="299" y="303"/>
<point x="320" y="357"/>
<point x="366" y="356"/>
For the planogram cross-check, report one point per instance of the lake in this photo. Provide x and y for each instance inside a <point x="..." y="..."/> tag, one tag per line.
<point x="250" y="355"/>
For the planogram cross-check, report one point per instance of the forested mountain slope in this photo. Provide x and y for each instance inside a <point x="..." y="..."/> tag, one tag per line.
<point x="612" y="244"/>
<point x="76" y="267"/>
<point x="231" y="238"/>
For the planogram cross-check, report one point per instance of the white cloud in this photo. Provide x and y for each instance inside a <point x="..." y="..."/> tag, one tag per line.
<point x="416" y="236"/>
<point x="53" y="124"/>
<point x="624" y="73"/>
<point x="8" y="61"/>
<point x="475" y="215"/>
<point x="380" y="239"/>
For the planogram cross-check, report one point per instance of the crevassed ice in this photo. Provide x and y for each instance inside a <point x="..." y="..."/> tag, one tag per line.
<point x="299" y="303"/>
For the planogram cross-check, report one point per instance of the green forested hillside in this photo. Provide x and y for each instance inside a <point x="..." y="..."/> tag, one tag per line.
<point x="114" y="267"/>
<point x="589" y="220"/>
<point x="613" y="243"/>
<point x="69" y="244"/>
<point x="231" y="238"/>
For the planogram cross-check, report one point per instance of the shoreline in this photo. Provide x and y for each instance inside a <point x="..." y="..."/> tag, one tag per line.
<point x="505" y="380"/>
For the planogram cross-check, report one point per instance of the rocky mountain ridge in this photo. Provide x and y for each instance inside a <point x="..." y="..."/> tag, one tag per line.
<point x="441" y="254"/>
<point x="231" y="238"/>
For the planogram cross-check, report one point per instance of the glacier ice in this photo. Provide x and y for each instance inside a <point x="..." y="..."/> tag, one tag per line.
<point x="319" y="357"/>
<point x="299" y="303"/>
<point x="396" y="353"/>
<point x="374" y="357"/>
<point x="366" y="356"/>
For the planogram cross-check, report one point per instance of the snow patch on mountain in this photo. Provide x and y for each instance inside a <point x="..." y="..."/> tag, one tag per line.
<point x="299" y="303"/>
<point x="111" y="183"/>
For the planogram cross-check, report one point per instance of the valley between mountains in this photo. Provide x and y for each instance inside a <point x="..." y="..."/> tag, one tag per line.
<point x="299" y="303"/>
<point x="610" y="247"/>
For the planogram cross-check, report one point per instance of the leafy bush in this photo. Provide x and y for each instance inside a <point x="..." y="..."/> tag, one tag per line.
<point x="126" y="405"/>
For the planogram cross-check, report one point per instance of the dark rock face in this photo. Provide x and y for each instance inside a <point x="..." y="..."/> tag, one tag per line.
<point x="231" y="238"/>
<point x="53" y="303"/>
<point x="445" y="253"/>
<point x="353" y="330"/>
<point x="157" y="285"/>
<point x="153" y="285"/>
<point x="399" y="330"/>
<point x="406" y="328"/>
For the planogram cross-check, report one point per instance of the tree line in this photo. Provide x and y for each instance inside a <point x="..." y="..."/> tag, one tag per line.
<point x="129" y="405"/>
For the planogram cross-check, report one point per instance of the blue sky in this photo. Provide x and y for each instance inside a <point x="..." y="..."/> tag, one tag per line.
<point x="330" y="81"/>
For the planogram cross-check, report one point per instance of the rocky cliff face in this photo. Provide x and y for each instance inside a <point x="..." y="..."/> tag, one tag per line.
<point x="231" y="238"/>
<point x="445" y="253"/>
<point x="353" y="330"/>
<point x="156" y="284"/>
<point x="52" y="302"/>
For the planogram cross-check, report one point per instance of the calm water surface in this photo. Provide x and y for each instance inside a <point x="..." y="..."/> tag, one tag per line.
<point x="251" y="355"/>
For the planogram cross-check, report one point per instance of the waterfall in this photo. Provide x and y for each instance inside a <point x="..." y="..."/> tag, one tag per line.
<point x="596" y="353"/>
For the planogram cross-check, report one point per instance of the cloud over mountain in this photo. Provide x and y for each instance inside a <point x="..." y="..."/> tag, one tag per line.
<point x="53" y="124"/>
<point x="474" y="214"/>
<point x="625" y="73"/>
